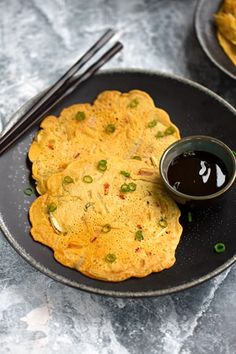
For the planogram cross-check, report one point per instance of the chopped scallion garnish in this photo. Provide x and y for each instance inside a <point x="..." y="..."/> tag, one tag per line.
<point x="134" y="103"/>
<point x="124" y="188"/>
<point x="169" y="130"/>
<point x="102" y="168"/>
<point x="68" y="180"/>
<point x="159" y="135"/>
<point x="103" y="162"/>
<point x="219" y="247"/>
<point x="52" y="207"/>
<point x="136" y="158"/>
<point x="106" y="228"/>
<point x="102" y="165"/>
<point x="80" y="116"/>
<point x="139" y="235"/>
<point x="28" y="191"/>
<point x="110" y="128"/>
<point x="132" y="187"/>
<point x="234" y="152"/>
<point x="87" y="179"/>
<point x="163" y="222"/>
<point x="125" y="173"/>
<point x="152" y="123"/>
<point x="190" y="218"/>
<point x="110" y="258"/>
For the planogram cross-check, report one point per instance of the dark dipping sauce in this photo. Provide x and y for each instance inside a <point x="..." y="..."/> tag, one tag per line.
<point x="197" y="173"/>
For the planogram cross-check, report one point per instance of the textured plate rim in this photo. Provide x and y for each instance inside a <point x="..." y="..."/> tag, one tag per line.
<point x="64" y="280"/>
<point x="199" y="5"/>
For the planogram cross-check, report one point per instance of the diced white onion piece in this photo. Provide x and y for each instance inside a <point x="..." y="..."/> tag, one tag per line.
<point x="55" y="224"/>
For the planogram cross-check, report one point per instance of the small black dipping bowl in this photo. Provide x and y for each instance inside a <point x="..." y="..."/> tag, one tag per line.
<point x="198" y="143"/>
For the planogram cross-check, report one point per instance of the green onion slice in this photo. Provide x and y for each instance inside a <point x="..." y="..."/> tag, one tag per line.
<point x="132" y="187"/>
<point x="219" y="247"/>
<point x="80" y="116"/>
<point x="159" y="135"/>
<point x="190" y="218"/>
<point x="87" y="179"/>
<point x="110" y="128"/>
<point x="68" y="180"/>
<point x="125" y="173"/>
<point x="102" y="165"/>
<point x="52" y="207"/>
<point x="139" y="235"/>
<point x="124" y="188"/>
<point x="136" y="158"/>
<point x="163" y="222"/>
<point x="110" y="258"/>
<point x="134" y="103"/>
<point x="234" y="152"/>
<point x="169" y="131"/>
<point x="106" y="228"/>
<point x="102" y="162"/>
<point x="102" y="168"/>
<point x="28" y="191"/>
<point x="152" y="123"/>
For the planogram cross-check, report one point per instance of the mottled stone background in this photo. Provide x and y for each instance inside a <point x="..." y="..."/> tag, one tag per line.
<point x="38" y="41"/>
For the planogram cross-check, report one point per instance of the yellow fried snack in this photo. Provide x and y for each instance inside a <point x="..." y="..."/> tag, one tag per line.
<point x="109" y="219"/>
<point x="226" y="28"/>
<point x="124" y="125"/>
<point x="228" y="47"/>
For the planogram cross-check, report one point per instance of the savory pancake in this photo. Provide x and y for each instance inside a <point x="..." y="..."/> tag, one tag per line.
<point x="124" y="125"/>
<point x="226" y="28"/>
<point x="111" y="219"/>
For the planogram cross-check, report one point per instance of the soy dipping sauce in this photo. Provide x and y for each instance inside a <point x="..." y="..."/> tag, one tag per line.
<point x="197" y="173"/>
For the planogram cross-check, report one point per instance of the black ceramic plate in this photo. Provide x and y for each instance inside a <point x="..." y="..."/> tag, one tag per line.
<point x="195" y="110"/>
<point x="206" y="34"/>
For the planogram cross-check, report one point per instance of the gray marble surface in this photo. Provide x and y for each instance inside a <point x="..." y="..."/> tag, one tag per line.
<point x="38" y="41"/>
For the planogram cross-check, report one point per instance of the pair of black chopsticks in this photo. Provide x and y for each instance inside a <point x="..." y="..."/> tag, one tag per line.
<point x="65" y="85"/>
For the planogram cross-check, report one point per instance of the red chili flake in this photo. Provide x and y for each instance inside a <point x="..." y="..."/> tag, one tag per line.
<point x="137" y="249"/>
<point x="50" y="146"/>
<point x="122" y="196"/>
<point x="106" y="188"/>
<point x="139" y="226"/>
<point x="94" y="239"/>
